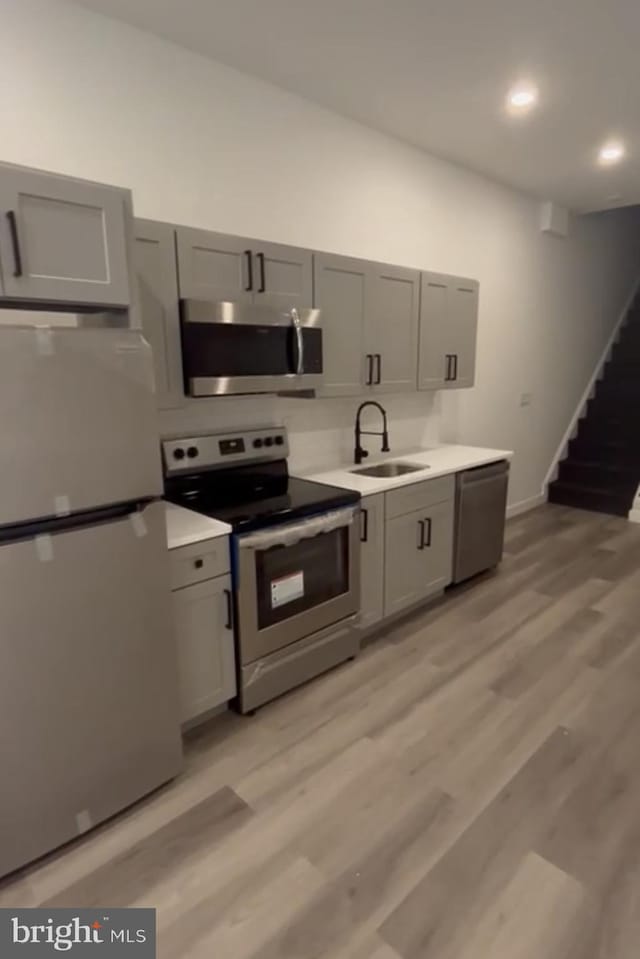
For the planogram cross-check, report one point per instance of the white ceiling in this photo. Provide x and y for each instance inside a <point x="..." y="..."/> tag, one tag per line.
<point x="436" y="73"/>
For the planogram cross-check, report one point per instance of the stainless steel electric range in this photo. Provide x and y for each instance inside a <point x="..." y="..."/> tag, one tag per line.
<point x="295" y="555"/>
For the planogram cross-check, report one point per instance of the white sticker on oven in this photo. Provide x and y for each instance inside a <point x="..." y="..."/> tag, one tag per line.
<point x="286" y="589"/>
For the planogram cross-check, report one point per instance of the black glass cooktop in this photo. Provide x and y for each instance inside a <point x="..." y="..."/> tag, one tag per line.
<point x="255" y="497"/>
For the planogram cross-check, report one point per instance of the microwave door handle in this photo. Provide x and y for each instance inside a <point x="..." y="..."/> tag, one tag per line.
<point x="295" y="319"/>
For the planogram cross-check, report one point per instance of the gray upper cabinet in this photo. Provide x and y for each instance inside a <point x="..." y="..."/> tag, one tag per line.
<point x="155" y="267"/>
<point x="282" y="275"/>
<point x="62" y="240"/>
<point x="370" y="318"/>
<point x="214" y="266"/>
<point x="371" y="560"/>
<point x="448" y="332"/>
<point x="393" y="327"/>
<point x="340" y="286"/>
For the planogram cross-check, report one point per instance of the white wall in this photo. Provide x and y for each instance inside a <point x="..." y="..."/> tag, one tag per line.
<point x="204" y="145"/>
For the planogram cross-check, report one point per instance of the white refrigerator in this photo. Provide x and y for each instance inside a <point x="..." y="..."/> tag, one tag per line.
<point x="88" y="679"/>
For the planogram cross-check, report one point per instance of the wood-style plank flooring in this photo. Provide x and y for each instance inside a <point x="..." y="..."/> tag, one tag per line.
<point x="468" y="788"/>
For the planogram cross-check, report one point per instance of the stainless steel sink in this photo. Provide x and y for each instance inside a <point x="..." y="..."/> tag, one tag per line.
<point x="389" y="469"/>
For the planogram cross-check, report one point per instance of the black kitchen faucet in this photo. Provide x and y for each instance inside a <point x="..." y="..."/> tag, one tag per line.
<point x="359" y="453"/>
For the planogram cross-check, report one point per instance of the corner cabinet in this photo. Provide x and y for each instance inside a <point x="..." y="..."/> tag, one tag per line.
<point x="448" y="332"/>
<point x="216" y="266"/>
<point x="370" y="319"/>
<point x="371" y="560"/>
<point x="63" y="240"/>
<point x="154" y="259"/>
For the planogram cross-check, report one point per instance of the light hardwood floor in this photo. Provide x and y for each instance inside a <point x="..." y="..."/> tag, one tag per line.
<point x="468" y="788"/>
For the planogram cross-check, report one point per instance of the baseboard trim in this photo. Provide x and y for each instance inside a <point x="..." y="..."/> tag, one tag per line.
<point x="589" y="390"/>
<point x="525" y="505"/>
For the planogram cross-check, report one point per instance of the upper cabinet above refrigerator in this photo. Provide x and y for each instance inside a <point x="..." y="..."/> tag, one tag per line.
<point x="216" y="266"/>
<point x="62" y="240"/>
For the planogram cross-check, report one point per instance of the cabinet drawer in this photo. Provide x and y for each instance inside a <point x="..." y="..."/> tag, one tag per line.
<point x="419" y="495"/>
<point x="199" y="561"/>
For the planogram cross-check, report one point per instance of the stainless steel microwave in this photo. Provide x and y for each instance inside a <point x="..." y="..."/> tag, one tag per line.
<point x="232" y="348"/>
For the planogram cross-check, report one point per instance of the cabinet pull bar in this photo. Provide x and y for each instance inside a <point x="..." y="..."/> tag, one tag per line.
<point x="15" y="243"/>
<point x="249" y="287"/>
<point x="427" y="522"/>
<point x="263" y="282"/>
<point x="229" y="599"/>
<point x="364" y="532"/>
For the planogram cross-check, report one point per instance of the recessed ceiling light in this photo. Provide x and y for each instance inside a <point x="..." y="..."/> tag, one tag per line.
<point x="523" y="97"/>
<point x="611" y="153"/>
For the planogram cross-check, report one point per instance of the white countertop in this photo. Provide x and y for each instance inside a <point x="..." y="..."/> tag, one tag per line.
<point x="185" y="527"/>
<point x="437" y="461"/>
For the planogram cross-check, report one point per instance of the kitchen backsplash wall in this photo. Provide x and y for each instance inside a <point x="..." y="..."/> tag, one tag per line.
<point x="320" y="430"/>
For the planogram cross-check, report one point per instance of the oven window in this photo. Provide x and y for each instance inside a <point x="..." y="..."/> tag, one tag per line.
<point x="293" y="579"/>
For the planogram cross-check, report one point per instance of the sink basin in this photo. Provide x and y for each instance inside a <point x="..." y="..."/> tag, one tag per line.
<point x="389" y="469"/>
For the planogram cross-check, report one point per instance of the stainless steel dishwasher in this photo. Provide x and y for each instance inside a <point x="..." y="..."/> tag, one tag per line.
<point x="481" y="504"/>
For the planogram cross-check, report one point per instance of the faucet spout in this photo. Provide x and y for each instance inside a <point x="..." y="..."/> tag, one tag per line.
<point x="360" y="453"/>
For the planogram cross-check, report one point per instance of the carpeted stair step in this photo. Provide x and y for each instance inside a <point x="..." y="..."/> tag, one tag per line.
<point x="580" y="497"/>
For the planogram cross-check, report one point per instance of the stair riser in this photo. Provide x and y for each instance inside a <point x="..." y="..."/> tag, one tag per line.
<point x="624" y="480"/>
<point x="597" y="451"/>
<point x="587" y="500"/>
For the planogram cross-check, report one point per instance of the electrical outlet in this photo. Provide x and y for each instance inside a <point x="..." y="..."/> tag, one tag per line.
<point x="526" y="399"/>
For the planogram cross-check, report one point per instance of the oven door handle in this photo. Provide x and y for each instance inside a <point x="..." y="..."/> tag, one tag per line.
<point x="290" y="533"/>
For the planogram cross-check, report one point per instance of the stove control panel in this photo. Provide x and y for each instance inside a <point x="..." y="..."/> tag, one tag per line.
<point x="217" y="450"/>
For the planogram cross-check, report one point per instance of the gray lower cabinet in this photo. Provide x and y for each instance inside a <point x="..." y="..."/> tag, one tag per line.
<point x="392" y="329"/>
<point x="448" y="332"/>
<point x="418" y="555"/>
<point x="217" y="266"/>
<point x="371" y="560"/>
<point x="63" y="240"/>
<point x="155" y="267"/>
<point x="340" y="290"/>
<point x="206" y="657"/>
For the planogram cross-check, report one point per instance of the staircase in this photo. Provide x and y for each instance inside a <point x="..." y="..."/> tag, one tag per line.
<point x="602" y="469"/>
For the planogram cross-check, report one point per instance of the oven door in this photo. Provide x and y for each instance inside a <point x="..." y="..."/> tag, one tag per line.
<point x="232" y="348"/>
<point x="295" y="579"/>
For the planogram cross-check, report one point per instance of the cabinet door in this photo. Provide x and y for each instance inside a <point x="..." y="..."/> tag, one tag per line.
<point x="155" y="267"/>
<point x="340" y="285"/>
<point x="214" y="266"/>
<point x="418" y="556"/>
<point x="394" y="303"/>
<point x="438" y="550"/>
<point x="206" y="657"/>
<point x="62" y="240"/>
<point x="448" y="329"/>
<point x="371" y="560"/>
<point x="405" y="573"/>
<point x="462" y="330"/>
<point x="434" y="365"/>
<point x="283" y="276"/>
